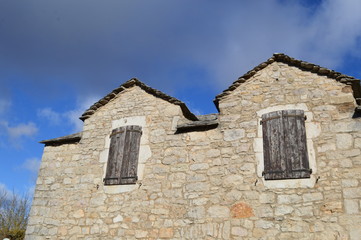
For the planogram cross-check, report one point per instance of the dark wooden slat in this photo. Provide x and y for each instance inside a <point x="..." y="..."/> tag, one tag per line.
<point x="115" y="157"/>
<point x="131" y="153"/>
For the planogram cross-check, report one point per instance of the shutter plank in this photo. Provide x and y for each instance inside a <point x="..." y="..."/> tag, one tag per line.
<point x="115" y="156"/>
<point x="273" y="137"/>
<point x="131" y="155"/>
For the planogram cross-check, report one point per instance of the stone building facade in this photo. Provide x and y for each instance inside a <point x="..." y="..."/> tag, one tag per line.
<point x="203" y="177"/>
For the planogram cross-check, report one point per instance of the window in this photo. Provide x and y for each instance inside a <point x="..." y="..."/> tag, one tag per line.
<point x="285" y="145"/>
<point x="123" y="156"/>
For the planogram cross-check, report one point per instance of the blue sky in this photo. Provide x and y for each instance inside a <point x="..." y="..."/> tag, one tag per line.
<point x="59" y="57"/>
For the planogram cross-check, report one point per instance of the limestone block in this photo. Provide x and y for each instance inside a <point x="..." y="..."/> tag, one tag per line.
<point x="196" y="212"/>
<point x="283" y="209"/>
<point x="267" y="198"/>
<point x="78" y="213"/>
<point x="232" y="180"/>
<point x="218" y="211"/>
<point x="289" y="199"/>
<point x="308" y="197"/>
<point x="233" y="134"/>
<point x="349" y="182"/>
<point x="351" y="206"/>
<point x="198" y="187"/>
<point x="358" y="143"/>
<point x="239" y="231"/>
<point x="117" y="219"/>
<point x="344" y="141"/>
<point x="352" y="192"/>
<point x="326" y="147"/>
<point x="199" y="166"/>
<point x="140" y="234"/>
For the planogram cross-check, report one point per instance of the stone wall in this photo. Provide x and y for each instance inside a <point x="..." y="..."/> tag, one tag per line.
<point x="207" y="184"/>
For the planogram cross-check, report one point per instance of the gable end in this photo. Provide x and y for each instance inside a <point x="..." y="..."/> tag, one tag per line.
<point x="304" y="66"/>
<point x="135" y="82"/>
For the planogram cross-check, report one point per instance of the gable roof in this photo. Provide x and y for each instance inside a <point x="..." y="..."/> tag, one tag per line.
<point x="304" y="66"/>
<point x="135" y="82"/>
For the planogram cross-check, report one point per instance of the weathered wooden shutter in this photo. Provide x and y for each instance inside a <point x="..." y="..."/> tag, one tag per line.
<point x="131" y="153"/>
<point x="123" y="155"/>
<point x="285" y="145"/>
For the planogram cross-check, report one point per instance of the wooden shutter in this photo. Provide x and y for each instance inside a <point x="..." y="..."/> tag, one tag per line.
<point x="131" y="153"/>
<point x="285" y="145"/>
<point x="123" y="156"/>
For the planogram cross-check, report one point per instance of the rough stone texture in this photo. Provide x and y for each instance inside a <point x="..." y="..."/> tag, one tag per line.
<point x="208" y="184"/>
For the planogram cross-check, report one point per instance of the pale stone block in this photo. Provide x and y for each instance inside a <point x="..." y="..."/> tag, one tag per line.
<point x="349" y="182"/>
<point x="309" y="197"/>
<point x="232" y="180"/>
<point x="248" y="168"/>
<point x="358" y="143"/>
<point x="326" y="147"/>
<point x="197" y="187"/>
<point x="218" y="211"/>
<point x="239" y="231"/>
<point x="199" y="166"/>
<point x="264" y="224"/>
<point x="140" y="234"/>
<point x="233" y="134"/>
<point x="352" y="192"/>
<point x="304" y="211"/>
<point x="267" y="198"/>
<point x="344" y="141"/>
<point x="283" y="209"/>
<point x="200" y="201"/>
<point x="355" y="233"/>
<point x="289" y="199"/>
<point x="213" y="153"/>
<point x="216" y="171"/>
<point x="351" y="206"/>
<point x="117" y="219"/>
<point x="196" y="212"/>
<point x="265" y="211"/>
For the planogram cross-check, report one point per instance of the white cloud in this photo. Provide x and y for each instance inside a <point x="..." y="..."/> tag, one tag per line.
<point x="50" y="114"/>
<point x="16" y="133"/>
<point x="70" y="117"/>
<point x="27" y="130"/>
<point x="32" y="165"/>
<point x="82" y="105"/>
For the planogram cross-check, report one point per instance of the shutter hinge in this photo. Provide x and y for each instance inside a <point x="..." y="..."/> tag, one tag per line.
<point x="263" y="173"/>
<point x="305" y="117"/>
<point x="260" y="122"/>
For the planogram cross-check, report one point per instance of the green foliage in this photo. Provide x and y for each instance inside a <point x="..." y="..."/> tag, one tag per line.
<point x="14" y="213"/>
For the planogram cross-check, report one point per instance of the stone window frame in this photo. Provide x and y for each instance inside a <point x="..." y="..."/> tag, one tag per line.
<point x="313" y="130"/>
<point x="144" y="152"/>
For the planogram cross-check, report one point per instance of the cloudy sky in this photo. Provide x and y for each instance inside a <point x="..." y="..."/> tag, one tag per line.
<point x="59" y="57"/>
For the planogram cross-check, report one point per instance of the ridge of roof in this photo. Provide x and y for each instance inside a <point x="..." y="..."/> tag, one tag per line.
<point x="135" y="82"/>
<point x="303" y="65"/>
<point x="72" y="138"/>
